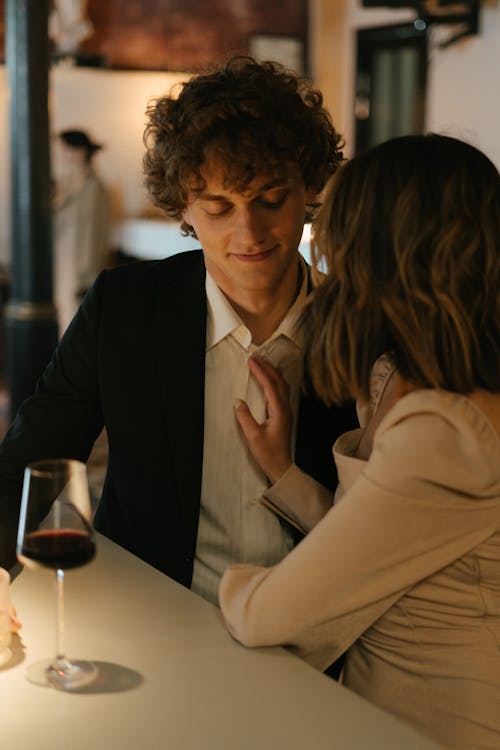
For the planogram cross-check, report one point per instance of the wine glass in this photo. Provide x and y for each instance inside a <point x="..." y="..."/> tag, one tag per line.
<point x="55" y="533"/>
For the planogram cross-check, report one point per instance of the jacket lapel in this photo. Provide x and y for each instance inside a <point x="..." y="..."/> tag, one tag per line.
<point x="181" y="332"/>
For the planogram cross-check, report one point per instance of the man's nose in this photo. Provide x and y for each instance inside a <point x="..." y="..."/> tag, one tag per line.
<point x="250" y="228"/>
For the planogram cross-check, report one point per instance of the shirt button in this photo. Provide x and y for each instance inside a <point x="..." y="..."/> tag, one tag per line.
<point x="188" y="559"/>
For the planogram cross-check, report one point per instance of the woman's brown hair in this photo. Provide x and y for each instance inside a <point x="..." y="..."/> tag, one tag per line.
<point x="409" y="233"/>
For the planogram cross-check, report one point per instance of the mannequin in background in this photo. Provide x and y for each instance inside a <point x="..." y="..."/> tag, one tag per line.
<point x="81" y="217"/>
<point x="69" y="25"/>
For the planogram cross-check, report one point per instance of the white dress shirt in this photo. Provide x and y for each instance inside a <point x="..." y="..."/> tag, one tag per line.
<point x="234" y="526"/>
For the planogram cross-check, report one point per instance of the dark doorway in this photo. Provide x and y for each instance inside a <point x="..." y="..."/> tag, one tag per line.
<point x="390" y="83"/>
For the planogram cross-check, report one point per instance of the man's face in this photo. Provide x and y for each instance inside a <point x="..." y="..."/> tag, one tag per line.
<point x="250" y="240"/>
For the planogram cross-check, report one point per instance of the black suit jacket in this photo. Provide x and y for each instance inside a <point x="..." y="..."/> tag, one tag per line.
<point x="133" y="360"/>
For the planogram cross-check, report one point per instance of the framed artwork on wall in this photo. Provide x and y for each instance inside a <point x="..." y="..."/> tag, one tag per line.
<point x="173" y="35"/>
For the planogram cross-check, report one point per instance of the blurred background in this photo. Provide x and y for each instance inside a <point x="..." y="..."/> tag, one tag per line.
<point x="385" y="69"/>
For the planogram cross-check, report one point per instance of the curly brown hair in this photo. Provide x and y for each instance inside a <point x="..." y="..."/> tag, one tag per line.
<point x="410" y="235"/>
<point x="253" y="116"/>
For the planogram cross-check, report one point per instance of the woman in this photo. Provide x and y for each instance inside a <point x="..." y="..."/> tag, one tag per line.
<point x="404" y="570"/>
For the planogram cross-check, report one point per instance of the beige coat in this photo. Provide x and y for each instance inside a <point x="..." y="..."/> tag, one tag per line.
<point x="404" y="570"/>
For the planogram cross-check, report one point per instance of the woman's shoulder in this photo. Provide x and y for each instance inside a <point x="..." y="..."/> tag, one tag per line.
<point x="442" y="437"/>
<point x="477" y="413"/>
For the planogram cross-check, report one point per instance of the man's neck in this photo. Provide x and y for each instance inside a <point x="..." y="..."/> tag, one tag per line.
<point x="263" y="313"/>
<point x="261" y="323"/>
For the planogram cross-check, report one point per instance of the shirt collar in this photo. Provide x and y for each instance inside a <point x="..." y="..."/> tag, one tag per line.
<point x="222" y="319"/>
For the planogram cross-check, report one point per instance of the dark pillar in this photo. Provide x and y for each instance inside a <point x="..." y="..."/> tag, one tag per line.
<point x="30" y="317"/>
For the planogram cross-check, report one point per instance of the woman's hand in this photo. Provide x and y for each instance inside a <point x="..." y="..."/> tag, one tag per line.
<point x="269" y="442"/>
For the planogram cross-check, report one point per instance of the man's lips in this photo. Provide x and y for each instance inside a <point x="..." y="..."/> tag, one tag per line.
<point x="254" y="257"/>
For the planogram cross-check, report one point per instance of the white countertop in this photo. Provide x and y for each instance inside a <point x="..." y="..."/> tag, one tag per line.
<point x="172" y="677"/>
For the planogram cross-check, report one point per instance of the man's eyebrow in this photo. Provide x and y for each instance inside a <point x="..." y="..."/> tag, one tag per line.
<point x="278" y="182"/>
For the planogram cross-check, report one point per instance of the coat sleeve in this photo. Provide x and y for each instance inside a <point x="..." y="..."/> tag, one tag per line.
<point x="401" y="520"/>
<point x="298" y="499"/>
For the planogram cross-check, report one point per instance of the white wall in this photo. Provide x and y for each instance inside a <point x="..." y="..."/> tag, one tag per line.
<point x="463" y="81"/>
<point x="464" y="87"/>
<point x="111" y="106"/>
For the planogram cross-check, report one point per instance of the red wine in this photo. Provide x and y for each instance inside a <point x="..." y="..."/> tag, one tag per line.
<point x="58" y="548"/>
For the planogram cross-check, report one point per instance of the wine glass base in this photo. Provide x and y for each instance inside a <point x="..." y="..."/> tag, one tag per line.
<point x="71" y="675"/>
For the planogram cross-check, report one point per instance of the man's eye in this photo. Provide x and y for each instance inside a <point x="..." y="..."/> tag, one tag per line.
<point x="217" y="209"/>
<point x="274" y="199"/>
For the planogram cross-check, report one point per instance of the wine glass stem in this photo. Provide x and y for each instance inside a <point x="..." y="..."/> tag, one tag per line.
<point x="60" y="649"/>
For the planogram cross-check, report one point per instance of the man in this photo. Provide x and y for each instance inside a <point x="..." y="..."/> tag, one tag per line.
<point x="158" y="351"/>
